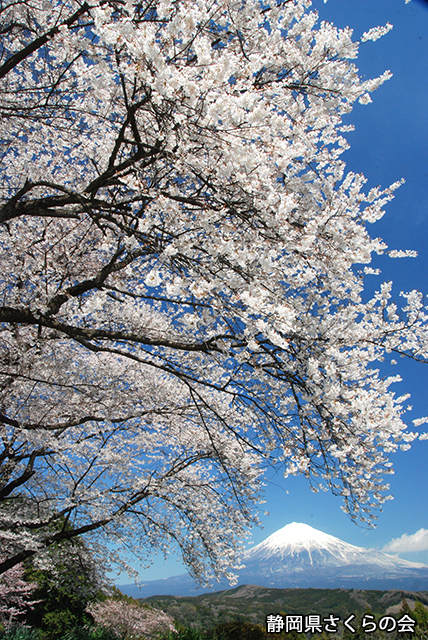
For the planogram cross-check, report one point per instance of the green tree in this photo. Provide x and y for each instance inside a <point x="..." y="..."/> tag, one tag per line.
<point x="359" y="633"/>
<point x="65" y="589"/>
<point x="405" y="610"/>
<point x="420" y="614"/>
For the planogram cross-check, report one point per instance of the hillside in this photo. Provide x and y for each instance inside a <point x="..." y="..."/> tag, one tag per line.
<point x="252" y="603"/>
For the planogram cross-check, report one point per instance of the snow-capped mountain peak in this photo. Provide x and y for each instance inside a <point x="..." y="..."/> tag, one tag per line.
<point x="298" y="547"/>
<point x="297" y="538"/>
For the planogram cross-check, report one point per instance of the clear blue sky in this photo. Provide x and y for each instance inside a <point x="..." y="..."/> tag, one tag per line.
<point x="390" y="142"/>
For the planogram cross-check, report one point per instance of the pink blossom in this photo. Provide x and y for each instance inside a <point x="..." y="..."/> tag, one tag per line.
<point x="14" y="594"/>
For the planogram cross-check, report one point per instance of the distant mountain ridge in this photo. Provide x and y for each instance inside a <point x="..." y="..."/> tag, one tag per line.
<point x="299" y="556"/>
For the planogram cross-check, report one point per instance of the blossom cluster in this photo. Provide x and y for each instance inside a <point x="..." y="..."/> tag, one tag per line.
<point x="15" y="594"/>
<point x="130" y="620"/>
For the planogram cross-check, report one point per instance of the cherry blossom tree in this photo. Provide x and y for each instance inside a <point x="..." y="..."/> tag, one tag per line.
<point x="15" y="593"/>
<point x="182" y="275"/>
<point x="131" y="620"/>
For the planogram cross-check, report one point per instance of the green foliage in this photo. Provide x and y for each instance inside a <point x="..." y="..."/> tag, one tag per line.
<point x="420" y="614"/>
<point x="405" y="610"/>
<point x="56" y="623"/>
<point x="186" y="633"/>
<point x="116" y="594"/>
<point x="238" y="631"/>
<point x="19" y="633"/>
<point x="64" y="590"/>
<point x="60" y="607"/>
<point x="77" y="633"/>
<point x="90" y="633"/>
<point x="290" y="635"/>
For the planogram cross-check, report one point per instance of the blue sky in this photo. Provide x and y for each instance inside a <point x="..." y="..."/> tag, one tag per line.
<point x="390" y="142"/>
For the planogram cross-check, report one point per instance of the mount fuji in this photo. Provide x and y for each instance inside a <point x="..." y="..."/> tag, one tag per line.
<point x="299" y="556"/>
